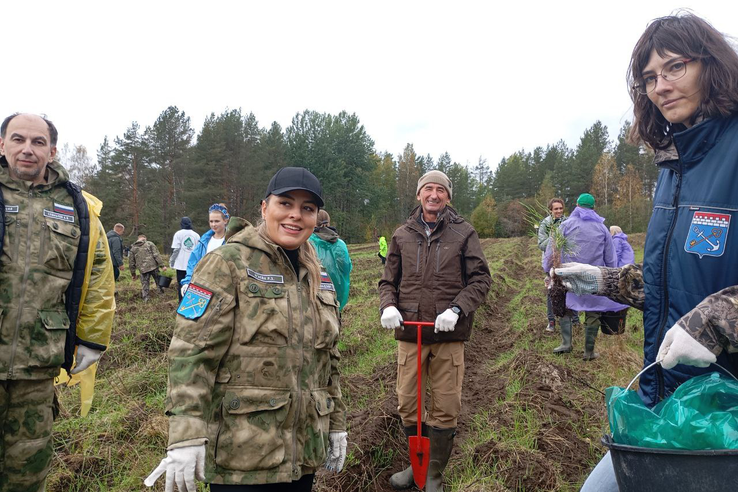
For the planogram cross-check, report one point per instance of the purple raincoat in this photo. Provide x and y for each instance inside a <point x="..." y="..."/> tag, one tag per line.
<point x="623" y="251"/>
<point x="592" y="245"/>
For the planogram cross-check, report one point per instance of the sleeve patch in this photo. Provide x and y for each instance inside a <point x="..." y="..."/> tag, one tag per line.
<point x="195" y="302"/>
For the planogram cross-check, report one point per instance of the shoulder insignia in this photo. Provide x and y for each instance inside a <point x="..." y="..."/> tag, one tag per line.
<point x="708" y="234"/>
<point x="325" y="282"/>
<point x="267" y="279"/>
<point x="195" y="302"/>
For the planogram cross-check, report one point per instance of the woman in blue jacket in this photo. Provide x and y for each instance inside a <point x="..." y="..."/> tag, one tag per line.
<point x="218" y="218"/>
<point x="684" y="77"/>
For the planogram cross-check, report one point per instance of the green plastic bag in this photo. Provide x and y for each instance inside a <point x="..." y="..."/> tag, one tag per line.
<point x="701" y="414"/>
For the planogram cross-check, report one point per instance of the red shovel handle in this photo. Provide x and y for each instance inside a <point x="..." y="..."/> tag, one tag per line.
<point x="418" y="325"/>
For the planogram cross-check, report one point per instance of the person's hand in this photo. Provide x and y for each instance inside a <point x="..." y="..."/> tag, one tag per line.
<point x="446" y="321"/>
<point x="338" y="442"/>
<point x="579" y="278"/>
<point x="181" y="466"/>
<point x="133" y="276"/>
<point x="679" y="347"/>
<point x="122" y="267"/>
<point x="85" y="357"/>
<point x="391" y="318"/>
<point x="183" y="289"/>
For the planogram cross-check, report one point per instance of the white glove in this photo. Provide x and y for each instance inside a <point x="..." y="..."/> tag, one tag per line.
<point x="338" y="442"/>
<point x="679" y="347"/>
<point x="446" y="321"/>
<point x="181" y="466"/>
<point x="183" y="289"/>
<point x="85" y="357"/>
<point x="391" y="318"/>
<point x="579" y="278"/>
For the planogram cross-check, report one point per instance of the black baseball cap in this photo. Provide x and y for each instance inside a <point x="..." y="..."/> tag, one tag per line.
<point x="295" y="178"/>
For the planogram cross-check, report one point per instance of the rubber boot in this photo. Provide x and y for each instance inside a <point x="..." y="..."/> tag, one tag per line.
<point x="565" y="326"/>
<point x="590" y="335"/>
<point x="404" y="479"/>
<point x="441" y="444"/>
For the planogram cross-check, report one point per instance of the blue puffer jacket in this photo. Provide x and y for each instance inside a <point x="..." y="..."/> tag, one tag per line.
<point x="691" y="246"/>
<point x="197" y="254"/>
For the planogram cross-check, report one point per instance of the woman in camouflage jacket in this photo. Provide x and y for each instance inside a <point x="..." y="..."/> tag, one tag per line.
<point x="254" y="401"/>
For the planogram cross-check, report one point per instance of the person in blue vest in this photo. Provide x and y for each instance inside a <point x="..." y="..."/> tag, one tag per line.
<point x="218" y="219"/>
<point x="684" y="87"/>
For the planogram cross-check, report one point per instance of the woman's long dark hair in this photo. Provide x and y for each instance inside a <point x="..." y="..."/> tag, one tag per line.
<point x="687" y="35"/>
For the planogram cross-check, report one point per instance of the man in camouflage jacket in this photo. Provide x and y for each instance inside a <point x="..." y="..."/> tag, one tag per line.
<point x="42" y="233"/>
<point x="145" y="257"/>
<point x="253" y="371"/>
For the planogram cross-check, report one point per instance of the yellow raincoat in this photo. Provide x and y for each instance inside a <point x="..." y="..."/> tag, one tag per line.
<point x="97" y="304"/>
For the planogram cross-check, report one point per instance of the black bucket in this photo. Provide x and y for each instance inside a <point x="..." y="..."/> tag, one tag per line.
<point x="613" y="322"/>
<point x="673" y="470"/>
<point x="164" y="281"/>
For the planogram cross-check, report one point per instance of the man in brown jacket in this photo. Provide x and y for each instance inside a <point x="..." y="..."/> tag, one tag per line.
<point x="435" y="271"/>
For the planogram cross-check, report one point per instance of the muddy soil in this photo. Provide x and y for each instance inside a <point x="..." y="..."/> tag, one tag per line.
<point x="549" y="390"/>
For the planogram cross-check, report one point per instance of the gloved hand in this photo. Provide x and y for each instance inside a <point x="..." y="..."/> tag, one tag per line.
<point x="679" y="347"/>
<point x="446" y="321"/>
<point x="338" y="442"/>
<point x="391" y="318"/>
<point x="183" y="289"/>
<point x="579" y="278"/>
<point x="181" y="466"/>
<point x="85" y="357"/>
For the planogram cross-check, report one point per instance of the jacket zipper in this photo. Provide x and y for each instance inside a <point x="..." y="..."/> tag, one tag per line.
<point x="660" y="384"/>
<point x="26" y="272"/>
<point x="214" y="312"/>
<point x="438" y="256"/>
<point x="417" y="262"/>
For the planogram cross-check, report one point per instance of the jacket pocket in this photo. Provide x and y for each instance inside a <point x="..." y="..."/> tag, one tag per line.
<point x="408" y="310"/>
<point x="59" y="243"/>
<point x="250" y="436"/>
<point x="318" y="421"/>
<point x="328" y="327"/>
<point x="49" y="338"/>
<point x="267" y="314"/>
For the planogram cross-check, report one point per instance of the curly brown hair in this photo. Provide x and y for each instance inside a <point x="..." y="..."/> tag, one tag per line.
<point x="687" y="35"/>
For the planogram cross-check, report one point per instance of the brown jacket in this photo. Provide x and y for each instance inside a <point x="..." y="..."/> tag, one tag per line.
<point x="424" y="275"/>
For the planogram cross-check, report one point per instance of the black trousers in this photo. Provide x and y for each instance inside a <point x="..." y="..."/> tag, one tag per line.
<point x="305" y="484"/>
<point x="181" y="274"/>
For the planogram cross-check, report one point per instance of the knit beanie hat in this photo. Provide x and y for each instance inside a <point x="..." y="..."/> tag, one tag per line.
<point x="435" y="177"/>
<point x="586" y="200"/>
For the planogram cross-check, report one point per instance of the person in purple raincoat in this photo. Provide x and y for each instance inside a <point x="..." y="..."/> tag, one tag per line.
<point x="623" y="250"/>
<point x="592" y="244"/>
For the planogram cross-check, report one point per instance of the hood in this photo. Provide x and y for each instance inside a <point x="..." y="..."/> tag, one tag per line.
<point x="621" y="235"/>
<point x="185" y="223"/>
<point x="582" y="213"/>
<point x="57" y="176"/>
<point x="327" y="234"/>
<point x="139" y="242"/>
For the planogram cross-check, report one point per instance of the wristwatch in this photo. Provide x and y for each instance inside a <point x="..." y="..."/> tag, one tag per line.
<point x="456" y="309"/>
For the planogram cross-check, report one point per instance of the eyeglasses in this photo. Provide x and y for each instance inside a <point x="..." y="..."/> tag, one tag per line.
<point x="672" y="71"/>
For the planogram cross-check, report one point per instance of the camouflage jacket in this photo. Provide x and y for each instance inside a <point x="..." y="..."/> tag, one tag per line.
<point x="42" y="234"/>
<point x="713" y="322"/>
<point x="144" y="256"/>
<point x="254" y="373"/>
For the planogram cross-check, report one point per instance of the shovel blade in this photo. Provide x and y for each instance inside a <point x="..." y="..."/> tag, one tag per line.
<point x="419" y="458"/>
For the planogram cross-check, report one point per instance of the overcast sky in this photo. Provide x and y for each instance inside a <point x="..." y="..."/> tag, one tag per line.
<point x="470" y="78"/>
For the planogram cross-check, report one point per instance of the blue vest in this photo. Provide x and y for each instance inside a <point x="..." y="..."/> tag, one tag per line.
<point x="691" y="248"/>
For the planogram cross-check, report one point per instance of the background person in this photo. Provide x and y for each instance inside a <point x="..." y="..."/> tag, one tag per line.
<point x="183" y="244"/>
<point x="684" y="86"/>
<point x="382" y="249"/>
<point x="145" y="257"/>
<point x="242" y="314"/>
<point x="115" y="243"/>
<point x="423" y="281"/>
<point x="39" y="331"/>
<point x="333" y="255"/>
<point x="218" y="219"/>
<point x="623" y="249"/>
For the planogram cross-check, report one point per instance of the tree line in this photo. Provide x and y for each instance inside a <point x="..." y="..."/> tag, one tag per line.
<point x="148" y="178"/>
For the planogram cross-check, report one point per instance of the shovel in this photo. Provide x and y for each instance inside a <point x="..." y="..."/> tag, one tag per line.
<point x="419" y="445"/>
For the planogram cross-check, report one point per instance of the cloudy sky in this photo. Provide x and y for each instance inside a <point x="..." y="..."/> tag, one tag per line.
<point x="470" y="78"/>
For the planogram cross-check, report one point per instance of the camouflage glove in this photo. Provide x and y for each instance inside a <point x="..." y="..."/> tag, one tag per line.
<point x="338" y="442"/>
<point x="85" y="357"/>
<point x="580" y="278"/>
<point x="446" y="321"/>
<point x="181" y="466"/>
<point x="679" y="347"/>
<point x="391" y="318"/>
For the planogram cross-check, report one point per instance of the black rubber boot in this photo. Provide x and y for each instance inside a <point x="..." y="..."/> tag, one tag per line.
<point x="404" y="479"/>
<point x="441" y="444"/>
<point x="565" y="325"/>
<point x="590" y="335"/>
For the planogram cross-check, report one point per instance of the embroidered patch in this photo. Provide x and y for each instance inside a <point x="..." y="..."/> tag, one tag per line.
<point x="267" y="279"/>
<point x="708" y="234"/>
<point x="12" y="209"/>
<point x="63" y="209"/>
<point x="195" y="302"/>
<point x="325" y="282"/>
<point x="59" y="216"/>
